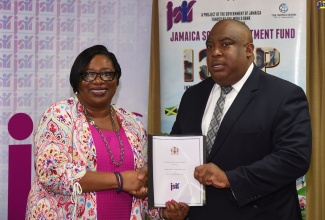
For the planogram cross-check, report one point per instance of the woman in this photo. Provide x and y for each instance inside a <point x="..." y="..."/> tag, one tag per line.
<point x="90" y="155"/>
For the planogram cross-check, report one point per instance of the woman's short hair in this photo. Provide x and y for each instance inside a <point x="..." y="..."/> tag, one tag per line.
<point x="84" y="58"/>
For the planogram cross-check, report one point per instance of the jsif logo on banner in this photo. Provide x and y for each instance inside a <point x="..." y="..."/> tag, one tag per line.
<point x="183" y="13"/>
<point x="321" y="5"/>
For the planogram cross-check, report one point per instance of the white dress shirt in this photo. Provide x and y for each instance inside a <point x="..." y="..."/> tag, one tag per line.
<point x="214" y="96"/>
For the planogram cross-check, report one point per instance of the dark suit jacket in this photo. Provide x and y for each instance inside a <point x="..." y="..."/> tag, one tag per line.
<point x="263" y="145"/>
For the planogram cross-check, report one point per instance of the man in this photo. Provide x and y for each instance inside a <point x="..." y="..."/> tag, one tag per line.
<point x="264" y="139"/>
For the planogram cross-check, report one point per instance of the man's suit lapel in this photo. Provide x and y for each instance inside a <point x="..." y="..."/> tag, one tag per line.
<point x="243" y="98"/>
<point x="201" y="103"/>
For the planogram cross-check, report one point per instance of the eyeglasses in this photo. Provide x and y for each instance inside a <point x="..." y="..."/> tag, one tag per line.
<point x="91" y="76"/>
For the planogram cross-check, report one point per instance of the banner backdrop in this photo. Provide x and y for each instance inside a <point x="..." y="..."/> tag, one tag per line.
<point x="278" y="29"/>
<point x="39" y="40"/>
<point x="279" y="32"/>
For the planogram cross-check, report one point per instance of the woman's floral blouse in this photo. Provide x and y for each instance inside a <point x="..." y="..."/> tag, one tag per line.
<point x="64" y="152"/>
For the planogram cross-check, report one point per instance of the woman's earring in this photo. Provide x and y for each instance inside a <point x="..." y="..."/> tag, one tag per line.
<point x="76" y="93"/>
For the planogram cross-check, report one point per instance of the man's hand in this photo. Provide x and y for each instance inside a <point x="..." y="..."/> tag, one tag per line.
<point x="211" y="174"/>
<point x="143" y="173"/>
<point x="140" y="194"/>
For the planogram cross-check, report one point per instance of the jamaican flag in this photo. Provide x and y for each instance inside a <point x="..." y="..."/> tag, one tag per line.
<point x="171" y="111"/>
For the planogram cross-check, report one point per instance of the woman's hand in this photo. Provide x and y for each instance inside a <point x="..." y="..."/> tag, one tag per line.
<point x="143" y="192"/>
<point x="135" y="182"/>
<point x="175" y="210"/>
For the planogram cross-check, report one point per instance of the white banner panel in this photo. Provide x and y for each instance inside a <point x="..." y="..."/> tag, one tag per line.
<point x="39" y="40"/>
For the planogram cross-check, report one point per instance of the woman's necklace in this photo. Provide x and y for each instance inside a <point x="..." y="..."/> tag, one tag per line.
<point x="104" y="138"/>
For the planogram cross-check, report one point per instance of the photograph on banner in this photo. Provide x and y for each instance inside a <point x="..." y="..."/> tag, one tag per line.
<point x="279" y="34"/>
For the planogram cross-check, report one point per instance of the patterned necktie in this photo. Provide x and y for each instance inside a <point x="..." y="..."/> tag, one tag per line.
<point x="216" y="117"/>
